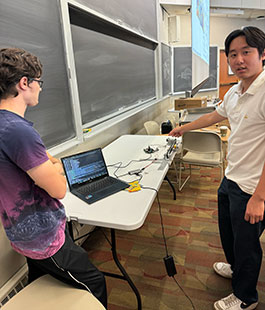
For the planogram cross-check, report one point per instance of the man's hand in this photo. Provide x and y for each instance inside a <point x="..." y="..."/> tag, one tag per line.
<point x="56" y="163"/>
<point x="177" y="132"/>
<point x="255" y="210"/>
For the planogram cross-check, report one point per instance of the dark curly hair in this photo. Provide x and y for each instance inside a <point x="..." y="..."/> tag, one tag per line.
<point x="14" y="64"/>
<point x="255" y="37"/>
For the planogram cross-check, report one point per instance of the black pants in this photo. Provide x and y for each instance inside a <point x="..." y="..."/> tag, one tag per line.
<point x="240" y="240"/>
<point x="71" y="265"/>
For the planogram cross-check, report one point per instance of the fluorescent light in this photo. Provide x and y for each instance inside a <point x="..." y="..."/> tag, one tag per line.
<point x="226" y="11"/>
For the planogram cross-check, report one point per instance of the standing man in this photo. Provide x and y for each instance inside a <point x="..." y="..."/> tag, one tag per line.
<point x="241" y="194"/>
<point x="31" y="182"/>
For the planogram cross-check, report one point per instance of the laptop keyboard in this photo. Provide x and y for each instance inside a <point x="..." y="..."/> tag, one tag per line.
<point x="96" y="186"/>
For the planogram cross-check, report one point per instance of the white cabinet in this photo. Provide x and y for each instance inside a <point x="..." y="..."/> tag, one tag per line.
<point x="262" y="4"/>
<point x="238" y="4"/>
<point x="175" y="2"/>
<point x="231" y="4"/>
<point x="251" y="4"/>
<point x="215" y="3"/>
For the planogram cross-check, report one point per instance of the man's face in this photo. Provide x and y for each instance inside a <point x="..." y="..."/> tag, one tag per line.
<point x="244" y="60"/>
<point x="34" y="93"/>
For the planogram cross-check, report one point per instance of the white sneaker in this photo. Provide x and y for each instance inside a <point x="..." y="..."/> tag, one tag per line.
<point x="231" y="302"/>
<point x="223" y="269"/>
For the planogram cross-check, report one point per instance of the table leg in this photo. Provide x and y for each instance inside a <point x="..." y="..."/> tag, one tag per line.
<point x="124" y="275"/>
<point x="172" y="186"/>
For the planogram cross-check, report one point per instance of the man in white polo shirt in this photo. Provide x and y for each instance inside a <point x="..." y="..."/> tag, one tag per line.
<point x="241" y="194"/>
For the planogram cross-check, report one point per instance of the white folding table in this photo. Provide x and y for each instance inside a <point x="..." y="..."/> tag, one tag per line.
<point x="125" y="210"/>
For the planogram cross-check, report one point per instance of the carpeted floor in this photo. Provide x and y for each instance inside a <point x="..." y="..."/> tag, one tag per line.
<point x="191" y="230"/>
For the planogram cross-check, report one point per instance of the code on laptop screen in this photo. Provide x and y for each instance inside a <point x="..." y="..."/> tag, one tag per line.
<point x="85" y="166"/>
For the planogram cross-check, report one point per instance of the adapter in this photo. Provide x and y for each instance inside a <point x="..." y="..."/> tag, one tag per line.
<point x="170" y="266"/>
<point x="136" y="171"/>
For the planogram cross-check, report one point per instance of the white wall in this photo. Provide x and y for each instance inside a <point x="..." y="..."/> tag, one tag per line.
<point x="220" y="27"/>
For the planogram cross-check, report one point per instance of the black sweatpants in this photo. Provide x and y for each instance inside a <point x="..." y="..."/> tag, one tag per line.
<point x="240" y="240"/>
<point x="71" y="265"/>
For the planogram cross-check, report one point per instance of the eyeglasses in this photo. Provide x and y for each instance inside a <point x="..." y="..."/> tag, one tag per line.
<point x="39" y="81"/>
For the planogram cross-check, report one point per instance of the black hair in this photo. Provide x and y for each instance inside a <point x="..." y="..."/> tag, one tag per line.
<point x="255" y="37"/>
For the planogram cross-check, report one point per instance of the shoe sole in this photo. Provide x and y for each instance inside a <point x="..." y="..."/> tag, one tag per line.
<point x="251" y="307"/>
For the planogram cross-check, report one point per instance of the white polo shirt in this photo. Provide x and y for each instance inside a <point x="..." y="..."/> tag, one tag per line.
<point x="246" y="144"/>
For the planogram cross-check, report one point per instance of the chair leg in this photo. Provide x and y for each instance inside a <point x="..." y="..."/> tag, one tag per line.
<point x="180" y="187"/>
<point x="222" y="171"/>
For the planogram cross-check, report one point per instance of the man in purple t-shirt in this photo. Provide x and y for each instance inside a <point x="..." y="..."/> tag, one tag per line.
<point x="32" y="181"/>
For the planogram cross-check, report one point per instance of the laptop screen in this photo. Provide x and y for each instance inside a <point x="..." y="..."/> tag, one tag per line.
<point x="83" y="167"/>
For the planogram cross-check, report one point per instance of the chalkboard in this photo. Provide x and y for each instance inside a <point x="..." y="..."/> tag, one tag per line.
<point x="35" y="26"/>
<point x="138" y="15"/>
<point x="182" y="58"/>
<point x="166" y="68"/>
<point x="182" y="68"/>
<point x="112" y="74"/>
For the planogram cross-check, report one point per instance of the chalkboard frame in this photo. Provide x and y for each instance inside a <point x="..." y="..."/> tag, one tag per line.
<point x="138" y="39"/>
<point x="166" y="68"/>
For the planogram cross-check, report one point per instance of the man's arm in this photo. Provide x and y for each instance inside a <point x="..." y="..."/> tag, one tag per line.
<point x="56" y="162"/>
<point x="49" y="176"/>
<point x="255" y="207"/>
<point x="204" y="121"/>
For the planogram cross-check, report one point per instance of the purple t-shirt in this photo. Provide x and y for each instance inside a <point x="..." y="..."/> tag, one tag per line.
<point x="34" y="221"/>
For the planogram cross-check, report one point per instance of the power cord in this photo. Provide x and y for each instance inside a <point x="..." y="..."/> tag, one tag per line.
<point x="125" y="166"/>
<point x="168" y="259"/>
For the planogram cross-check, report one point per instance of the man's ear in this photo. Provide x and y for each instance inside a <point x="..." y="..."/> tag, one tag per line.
<point x="263" y="55"/>
<point x="23" y="83"/>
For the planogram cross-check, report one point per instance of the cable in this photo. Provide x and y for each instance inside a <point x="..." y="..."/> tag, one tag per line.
<point x="125" y="166"/>
<point x="169" y="261"/>
<point x="193" y="307"/>
<point x="161" y="217"/>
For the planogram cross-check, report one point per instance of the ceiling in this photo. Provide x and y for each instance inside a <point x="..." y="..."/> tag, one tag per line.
<point x="220" y="12"/>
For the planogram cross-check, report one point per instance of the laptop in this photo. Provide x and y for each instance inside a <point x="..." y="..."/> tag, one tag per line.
<point x="88" y="178"/>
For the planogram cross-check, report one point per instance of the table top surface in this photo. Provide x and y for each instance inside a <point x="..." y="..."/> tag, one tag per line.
<point x="216" y="129"/>
<point x="125" y="210"/>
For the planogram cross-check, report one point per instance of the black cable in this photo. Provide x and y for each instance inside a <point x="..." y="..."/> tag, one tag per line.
<point x="193" y="307"/>
<point x="122" y="167"/>
<point x="161" y="217"/>
<point x="165" y="242"/>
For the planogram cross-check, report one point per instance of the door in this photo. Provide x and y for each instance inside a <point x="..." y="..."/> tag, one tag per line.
<point x="226" y="77"/>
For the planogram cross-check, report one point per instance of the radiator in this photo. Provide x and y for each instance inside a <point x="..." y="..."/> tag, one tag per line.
<point x="14" y="285"/>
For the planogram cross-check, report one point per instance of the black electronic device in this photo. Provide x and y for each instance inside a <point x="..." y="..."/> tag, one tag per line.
<point x="170" y="265"/>
<point x="166" y="127"/>
<point x="150" y="150"/>
<point x="88" y="178"/>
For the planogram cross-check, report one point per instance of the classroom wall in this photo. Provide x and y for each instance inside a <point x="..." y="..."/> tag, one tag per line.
<point x="220" y="27"/>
